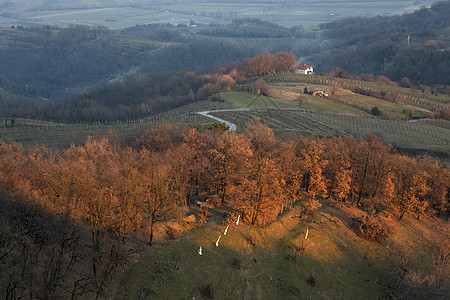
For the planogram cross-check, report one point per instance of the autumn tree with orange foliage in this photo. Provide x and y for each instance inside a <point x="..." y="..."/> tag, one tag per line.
<point x="258" y="190"/>
<point x="411" y="188"/>
<point x="267" y="63"/>
<point x="338" y="172"/>
<point x="230" y="156"/>
<point x="314" y="162"/>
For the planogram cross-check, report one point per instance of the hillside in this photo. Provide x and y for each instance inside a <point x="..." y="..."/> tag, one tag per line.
<point x="61" y="63"/>
<point x="405" y="124"/>
<point x="414" y="45"/>
<point x="278" y="262"/>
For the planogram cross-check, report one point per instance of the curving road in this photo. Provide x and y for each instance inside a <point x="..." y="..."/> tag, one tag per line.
<point x="232" y="126"/>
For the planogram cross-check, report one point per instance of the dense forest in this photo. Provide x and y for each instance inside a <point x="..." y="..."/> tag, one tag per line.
<point x="74" y="215"/>
<point x="151" y="93"/>
<point x="39" y="61"/>
<point x="412" y="45"/>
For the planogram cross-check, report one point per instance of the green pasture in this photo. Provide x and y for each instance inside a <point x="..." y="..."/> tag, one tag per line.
<point x="294" y="13"/>
<point x="112" y="17"/>
<point x="387" y="108"/>
<point x="327" y="105"/>
<point x="251" y="100"/>
<point x="316" y="79"/>
<point x="414" y="99"/>
<point x="405" y="91"/>
<point x="316" y="116"/>
<point x="320" y="104"/>
<point x="348" y="102"/>
<point x="440" y="98"/>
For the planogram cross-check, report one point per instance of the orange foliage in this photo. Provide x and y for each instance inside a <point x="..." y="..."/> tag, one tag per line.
<point x="121" y="188"/>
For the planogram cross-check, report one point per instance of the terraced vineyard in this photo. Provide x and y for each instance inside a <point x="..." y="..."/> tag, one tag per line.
<point x="33" y="132"/>
<point x="427" y="136"/>
<point x="279" y="121"/>
<point x="390" y="93"/>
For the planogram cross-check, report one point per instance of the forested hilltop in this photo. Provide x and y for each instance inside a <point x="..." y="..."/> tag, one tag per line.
<point x="81" y="214"/>
<point x="412" y="45"/>
<point x="57" y="64"/>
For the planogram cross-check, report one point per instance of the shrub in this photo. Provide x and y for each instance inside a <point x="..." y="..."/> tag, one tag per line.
<point x="375" y="111"/>
<point x="237" y="263"/>
<point x="312" y="207"/>
<point x="227" y="219"/>
<point x="208" y="292"/>
<point x="385" y="80"/>
<point x="371" y="228"/>
<point x="202" y="216"/>
<point x="173" y="232"/>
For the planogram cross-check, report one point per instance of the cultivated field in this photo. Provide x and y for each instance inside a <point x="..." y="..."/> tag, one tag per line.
<point x="420" y="135"/>
<point x="346" y="116"/>
<point x="120" y="14"/>
<point x="34" y="132"/>
<point x="404" y="96"/>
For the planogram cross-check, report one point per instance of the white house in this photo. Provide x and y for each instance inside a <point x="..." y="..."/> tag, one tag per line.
<point x="304" y="69"/>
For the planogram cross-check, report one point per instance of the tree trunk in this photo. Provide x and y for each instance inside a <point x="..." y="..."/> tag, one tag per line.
<point x="151" y="228"/>
<point x="363" y="183"/>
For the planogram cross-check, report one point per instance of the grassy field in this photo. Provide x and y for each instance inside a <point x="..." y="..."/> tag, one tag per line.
<point x="286" y="98"/>
<point x="277" y="262"/>
<point x="344" y="113"/>
<point x="251" y="100"/>
<point x="118" y="14"/>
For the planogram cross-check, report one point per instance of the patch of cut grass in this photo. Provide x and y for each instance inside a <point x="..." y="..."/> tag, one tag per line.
<point x="250" y="100"/>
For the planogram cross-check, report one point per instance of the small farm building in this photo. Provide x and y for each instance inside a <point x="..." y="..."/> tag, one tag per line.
<point x="304" y="69"/>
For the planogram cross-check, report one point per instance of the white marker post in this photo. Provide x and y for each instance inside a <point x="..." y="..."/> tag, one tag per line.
<point x="200" y="251"/>
<point x="226" y="229"/>
<point x="237" y="222"/>
<point x="217" y="243"/>
<point x="306" y="235"/>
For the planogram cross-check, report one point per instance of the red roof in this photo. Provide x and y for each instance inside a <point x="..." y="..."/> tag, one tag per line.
<point x="303" y="67"/>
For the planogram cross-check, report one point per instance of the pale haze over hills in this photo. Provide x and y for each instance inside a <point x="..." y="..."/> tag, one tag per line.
<point x="123" y="13"/>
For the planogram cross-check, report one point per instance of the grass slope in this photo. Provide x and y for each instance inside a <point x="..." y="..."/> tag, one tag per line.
<point x="265" y="263"/>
